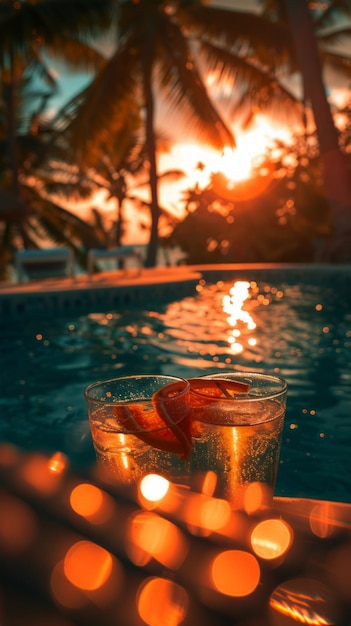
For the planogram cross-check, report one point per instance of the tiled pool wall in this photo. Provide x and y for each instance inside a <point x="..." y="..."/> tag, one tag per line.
<point x="21" y="304"/>
<point x="24" y="305"/>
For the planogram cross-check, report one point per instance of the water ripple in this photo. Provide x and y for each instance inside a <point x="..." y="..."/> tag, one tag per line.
<point x="302" y="332"/>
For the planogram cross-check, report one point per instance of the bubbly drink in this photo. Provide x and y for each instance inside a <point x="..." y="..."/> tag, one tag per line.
<point x="240" y="444"/>
<point x="214" y="434"/>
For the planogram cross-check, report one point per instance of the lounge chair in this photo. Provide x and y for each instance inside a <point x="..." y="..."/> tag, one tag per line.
<point x="44" y="263"/>
<point x="122" y="253"/>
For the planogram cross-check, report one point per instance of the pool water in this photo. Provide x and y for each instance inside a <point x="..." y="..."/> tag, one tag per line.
<point x="299" y="331"/>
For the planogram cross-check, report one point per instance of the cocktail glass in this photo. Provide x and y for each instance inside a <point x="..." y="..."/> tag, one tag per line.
<point x="129" y="437"/>
<point x="216" y="434"/>
<point x="237" y="436"/>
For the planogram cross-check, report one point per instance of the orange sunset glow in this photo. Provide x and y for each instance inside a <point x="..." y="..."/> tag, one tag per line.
<point x="233" y="174"/>
<point x="199" y="162"/>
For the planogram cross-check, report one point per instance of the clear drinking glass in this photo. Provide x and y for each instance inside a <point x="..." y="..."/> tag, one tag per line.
<point x="215" y="434"/>
<point x="128" y="437"/>
<point x="238" y="438"/>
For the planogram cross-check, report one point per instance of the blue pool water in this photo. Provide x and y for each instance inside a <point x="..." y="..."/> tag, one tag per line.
<point x="300" y="330"/>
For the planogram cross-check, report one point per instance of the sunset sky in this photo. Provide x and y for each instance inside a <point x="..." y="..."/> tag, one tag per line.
<point x="186" y="153"/>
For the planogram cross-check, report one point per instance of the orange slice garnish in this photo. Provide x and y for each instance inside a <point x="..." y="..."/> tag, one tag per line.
<point x="205" y="390"/>
<point x="165" y="425"/>
<point x="173" y="407"/>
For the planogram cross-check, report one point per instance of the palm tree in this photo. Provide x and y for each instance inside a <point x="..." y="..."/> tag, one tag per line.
<point x="114" y="164"/>
<point x="29" y="32"/>
<point x="336" y="175"/>
<point x="163" y="48"/>
<point x="312" y="34"/>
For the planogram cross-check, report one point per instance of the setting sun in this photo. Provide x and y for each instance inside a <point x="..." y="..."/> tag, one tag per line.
<point x="201" y="164"/>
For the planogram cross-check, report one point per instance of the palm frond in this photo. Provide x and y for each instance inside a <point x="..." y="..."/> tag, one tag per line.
<point x="107" y="106"/>
<point x="339" y="62"/>
<point x="331" y="13"/>
<point x="336" y="36"/>
<point x="179" y="73"/>
<point x="77" y="55"/>
<point x="22" y="24"/>
<point x="241" y="31"/>
<point x="252" y="86"/>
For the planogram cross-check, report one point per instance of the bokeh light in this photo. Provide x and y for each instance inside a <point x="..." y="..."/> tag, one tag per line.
<point x="92" y="503"/>
<point x="154" y="487"/>
<point x="209" y="483"/>
<point x="235" y="573"/>
<point x="87" y="565"/>
<point x="162" y="602"/>
<point x="150" y="536"/>
<point x="257" y="495"/>
<point x="210" y="514"/>
<point x="271" y="538"/>
<point x="41" y="474"/>
<point x="303" y="601"/>
<point x="58" y="462"/>
<point x="321" y="518"/>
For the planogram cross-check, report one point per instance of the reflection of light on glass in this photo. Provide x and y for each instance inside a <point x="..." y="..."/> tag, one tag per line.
<point x="235" y="573"/>
<point x="271" y="538"/>
<point x="303" y="601"/>
<point x="239" y="452"/>
<point x="162" y="601"/>
<point x="124" y="456"/>
<point x="151" y="536"/>
<point x="209" y="483"/>
<point x="232" y="304"/>
<point x="154" y="487"/>
<point x="87" y="565"/>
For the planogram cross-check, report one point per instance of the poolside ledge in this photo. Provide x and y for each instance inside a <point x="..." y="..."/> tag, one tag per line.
<point x="123" y="288"/>
<point x="106" y="289"/>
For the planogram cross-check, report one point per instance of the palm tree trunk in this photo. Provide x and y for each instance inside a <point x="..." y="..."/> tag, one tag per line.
<point x="10" y="99"/>
<point x="9" y="94"/>
<point x="151" y="256"/>
<point x="333" y="163"/>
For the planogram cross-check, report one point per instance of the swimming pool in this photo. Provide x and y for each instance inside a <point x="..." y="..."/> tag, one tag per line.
<point x="295" y="322"/>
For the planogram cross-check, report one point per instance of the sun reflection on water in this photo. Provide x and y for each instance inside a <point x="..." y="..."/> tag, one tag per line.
<point x="239" y="318"/>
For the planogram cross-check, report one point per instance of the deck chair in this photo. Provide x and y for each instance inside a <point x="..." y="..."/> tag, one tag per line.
<point x="44" y="263"/>
<point x="122" y="253"/>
